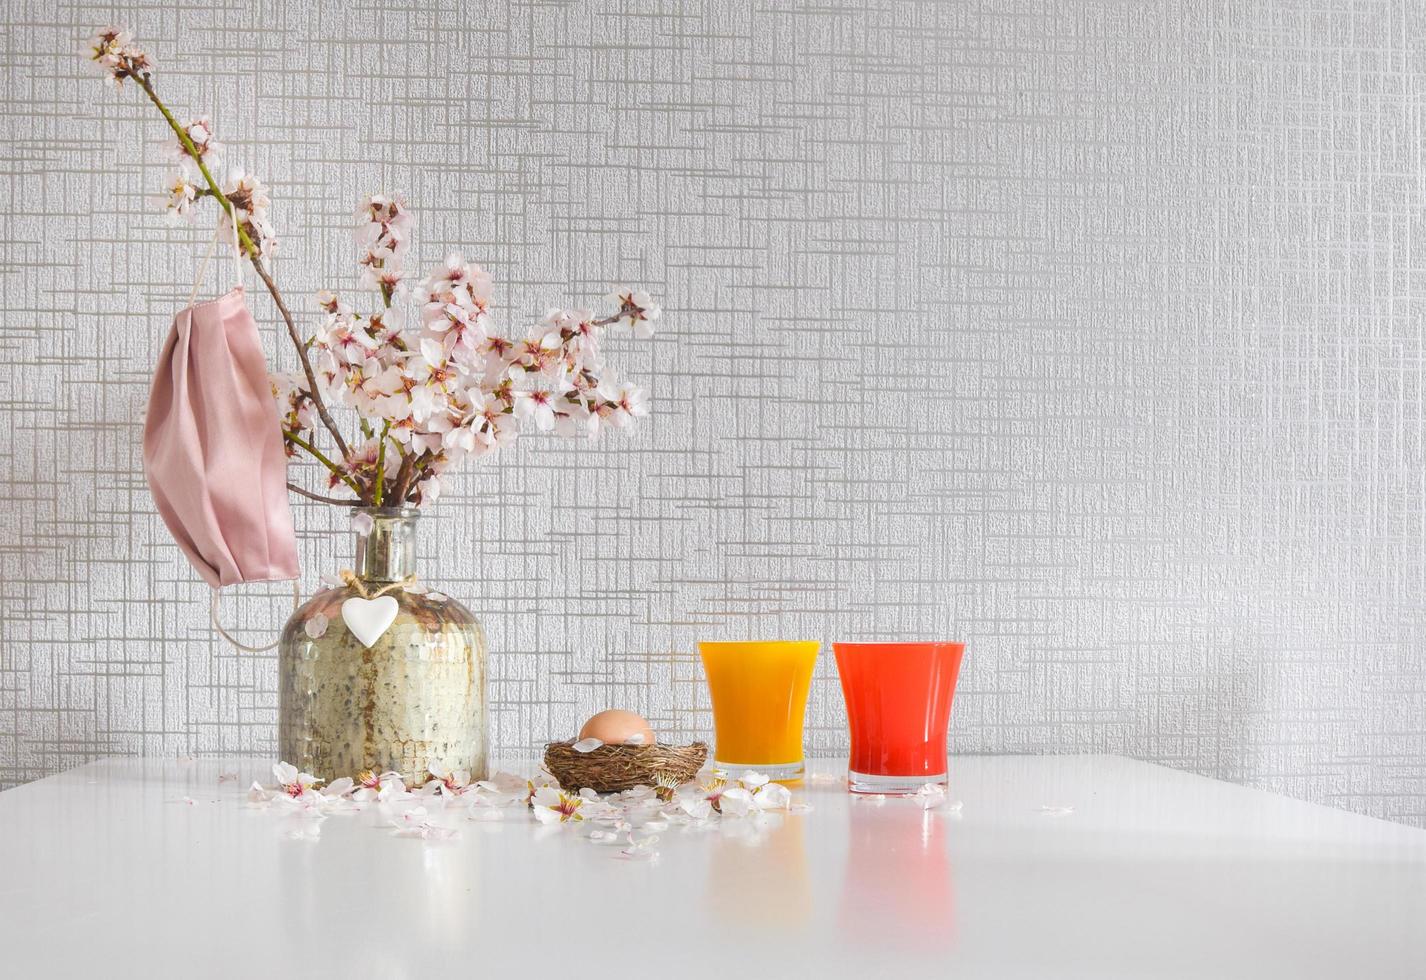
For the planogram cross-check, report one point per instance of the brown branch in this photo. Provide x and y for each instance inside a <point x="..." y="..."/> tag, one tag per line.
<point x="311" y="376"/>
<point x="326" y="500"/>
<point x="321" y="457"/>
<point x="402" y="484"/>
<point x="251" y="250"/>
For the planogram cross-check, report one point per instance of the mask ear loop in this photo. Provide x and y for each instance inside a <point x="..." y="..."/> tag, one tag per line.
<point x="232" y="218"/>
<point x="203" y="268"/>
<point x="213" y="618"/>
<point x="237" y="248"/>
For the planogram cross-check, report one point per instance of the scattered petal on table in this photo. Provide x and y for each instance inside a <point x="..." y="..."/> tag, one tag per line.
<point x="413" y="823"/>
<point x="772" y="796"/>
<point x="695" y="804"/>
<point x="555" y="805"/>
<point x="640" y="849"/>
<point x="751" y="780"/>
<point x="735" y="802"/>
<point x="450" y="784"/>
<point x="931" y="796"/>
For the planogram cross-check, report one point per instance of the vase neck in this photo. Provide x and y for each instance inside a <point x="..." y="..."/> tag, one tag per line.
<point x="387" y="553"/>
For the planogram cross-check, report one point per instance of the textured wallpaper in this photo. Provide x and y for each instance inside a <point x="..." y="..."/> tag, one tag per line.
<point x="1088" y="333"/>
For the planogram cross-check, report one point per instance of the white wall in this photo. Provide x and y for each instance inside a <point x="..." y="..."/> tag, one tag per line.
<point x="1088" y="333"/>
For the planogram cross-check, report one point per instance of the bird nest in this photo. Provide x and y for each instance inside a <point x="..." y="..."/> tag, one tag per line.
<point x="615" y="768"/>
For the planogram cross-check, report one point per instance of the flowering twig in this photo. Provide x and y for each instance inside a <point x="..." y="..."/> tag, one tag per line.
<point x="380" y="464"/>
<point x="114" y="54"/>
<point x="321" y="457"/>
<point x="318" y="497"/>
<point x="296" y="339"/>
<point x="427" y="393"/>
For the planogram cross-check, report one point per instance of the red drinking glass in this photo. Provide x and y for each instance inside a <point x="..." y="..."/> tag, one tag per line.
<point x="898" y="706"/>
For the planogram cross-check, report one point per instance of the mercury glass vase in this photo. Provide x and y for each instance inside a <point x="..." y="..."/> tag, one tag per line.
<point x="411" y="698"/>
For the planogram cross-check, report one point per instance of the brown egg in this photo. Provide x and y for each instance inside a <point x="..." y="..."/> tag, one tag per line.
<point x="615" y="727"/>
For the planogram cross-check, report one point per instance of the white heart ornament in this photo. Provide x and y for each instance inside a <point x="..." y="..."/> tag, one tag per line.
<point x="368" y="619"/>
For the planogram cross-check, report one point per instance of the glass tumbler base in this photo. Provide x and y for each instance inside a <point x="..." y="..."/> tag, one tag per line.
<point x="861" y="782"/>
<point x="777" y="771"/>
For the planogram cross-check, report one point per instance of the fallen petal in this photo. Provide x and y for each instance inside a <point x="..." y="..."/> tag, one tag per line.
<point x="735" y="802"/>
<point x="772" y="796"/>
<point x="752" y="779"/>
<point x="638" y="854"/>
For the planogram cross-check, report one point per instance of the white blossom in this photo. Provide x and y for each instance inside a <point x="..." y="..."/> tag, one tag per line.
<point x="250" y="199"/>
<point x="200" y="134"/>
<point x="113" y="50"/>
<point x="553" y="805"/>
<point x="637" y="310"/>
<point x="180" y="195"/>
<point x="447" y="385"/>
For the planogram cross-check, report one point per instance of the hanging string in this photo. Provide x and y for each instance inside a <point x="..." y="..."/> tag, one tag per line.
<point x="213" y="618"/>
<point x="203" y="269"/>
<point x="208" y="257"/>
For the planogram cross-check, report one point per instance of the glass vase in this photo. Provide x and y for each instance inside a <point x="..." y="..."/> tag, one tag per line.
<point x="411" y="698"/>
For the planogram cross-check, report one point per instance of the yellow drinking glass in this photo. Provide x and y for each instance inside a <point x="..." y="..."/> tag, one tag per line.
<point x="759" y="690"/>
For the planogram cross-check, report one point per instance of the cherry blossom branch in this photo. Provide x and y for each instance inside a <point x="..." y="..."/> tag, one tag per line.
<point x="145" y="82"/>
<point x="380" y="476"/>
<point x="318" y="497"/>
<point x="320" y="457"/>
<point x="402" y="486"/>
<point x="317" y="402"/>
<point x="445" y="388"/>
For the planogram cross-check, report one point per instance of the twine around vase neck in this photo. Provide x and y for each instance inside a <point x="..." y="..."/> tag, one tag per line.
<point x="355" y="583"/>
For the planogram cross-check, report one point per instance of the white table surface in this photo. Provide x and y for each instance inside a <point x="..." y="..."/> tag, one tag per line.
<point x="107" y="871"/>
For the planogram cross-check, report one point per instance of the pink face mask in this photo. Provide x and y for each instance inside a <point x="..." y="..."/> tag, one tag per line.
<point x="213" y="451"/>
